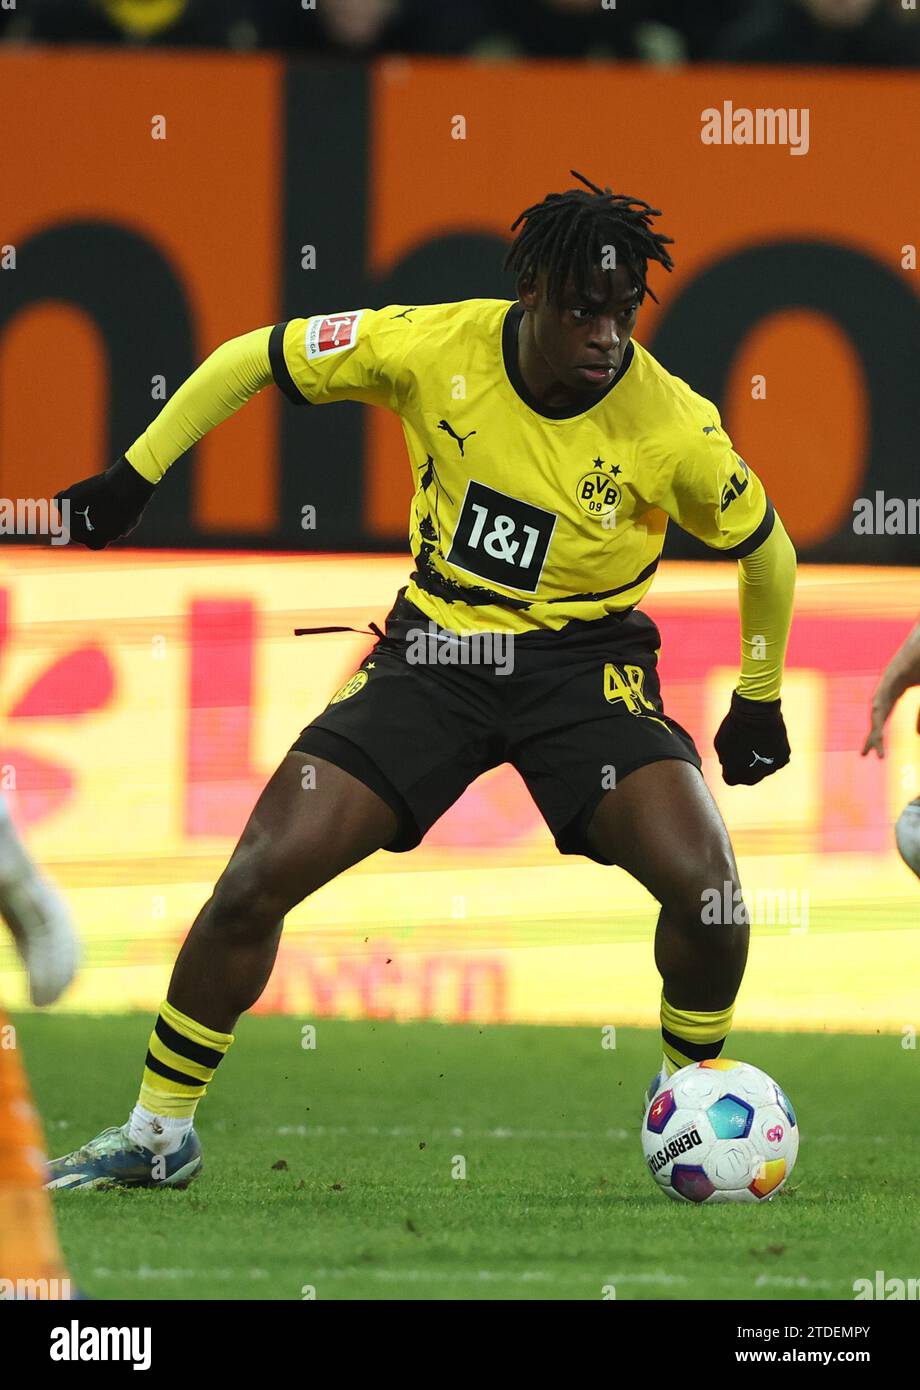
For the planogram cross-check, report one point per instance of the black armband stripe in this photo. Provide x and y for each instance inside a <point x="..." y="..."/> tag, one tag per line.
<point x="280" y="370"/>
<point x="755" y="539"/>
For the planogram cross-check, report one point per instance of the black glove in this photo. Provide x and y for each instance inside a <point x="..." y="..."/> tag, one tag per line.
<point x="751" y="741"/>
<point x="106" y="507"/>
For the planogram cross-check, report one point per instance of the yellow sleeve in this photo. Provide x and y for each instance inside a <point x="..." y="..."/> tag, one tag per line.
<point x="357" y="355"/>
<point x="713" y="494"/>
<point x="225" y="381"/>
<point x="766" y="583"/>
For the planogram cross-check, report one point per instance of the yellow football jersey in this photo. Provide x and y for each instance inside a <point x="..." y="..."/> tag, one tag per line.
<point x="525" y="517"/>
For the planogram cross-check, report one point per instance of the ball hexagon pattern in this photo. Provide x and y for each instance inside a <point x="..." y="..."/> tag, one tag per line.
<point x="720" y="1131"/>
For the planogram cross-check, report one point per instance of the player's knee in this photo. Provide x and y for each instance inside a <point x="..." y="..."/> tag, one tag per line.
<point x="707" y="895"/>
<point x="248" y="901"/>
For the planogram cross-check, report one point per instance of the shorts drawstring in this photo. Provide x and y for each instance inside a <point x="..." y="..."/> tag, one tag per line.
<point x="372" y="630"/>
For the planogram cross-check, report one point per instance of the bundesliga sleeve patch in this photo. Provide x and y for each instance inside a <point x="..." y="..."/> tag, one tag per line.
<point x="331" y="333"/>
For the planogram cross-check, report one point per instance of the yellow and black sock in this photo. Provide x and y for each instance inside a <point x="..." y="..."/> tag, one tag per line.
<point x="688" y="1035"/>
<point x="182" y="1057"/>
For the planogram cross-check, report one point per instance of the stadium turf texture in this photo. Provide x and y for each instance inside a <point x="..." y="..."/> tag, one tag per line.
<point x="427" y="1161"/>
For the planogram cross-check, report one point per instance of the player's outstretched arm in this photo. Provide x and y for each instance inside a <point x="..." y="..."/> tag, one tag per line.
<point x="108" y="506"/>
<point x="751" y="741"/>
<point x="902" y="672"/>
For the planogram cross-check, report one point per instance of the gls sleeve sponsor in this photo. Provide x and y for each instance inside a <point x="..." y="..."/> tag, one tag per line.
<point x="352" y="355"/>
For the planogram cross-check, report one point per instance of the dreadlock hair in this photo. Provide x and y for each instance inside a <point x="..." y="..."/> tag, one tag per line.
<point x="568" y="232"/>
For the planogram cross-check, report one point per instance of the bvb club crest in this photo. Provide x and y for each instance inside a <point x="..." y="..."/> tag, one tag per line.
<point x="351" y="687"/>
<point x="597" y="493"/>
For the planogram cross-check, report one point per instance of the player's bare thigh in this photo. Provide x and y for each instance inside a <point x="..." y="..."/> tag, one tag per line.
<point x="662" y="825"/>
<point x="312" y="821"/>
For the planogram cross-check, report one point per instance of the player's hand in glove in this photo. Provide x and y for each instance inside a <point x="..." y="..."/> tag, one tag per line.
<point x="44" y="936"/>
<point x="751" y="741"/>
<point x="106" y="507"/>
<point x="38" y="918"/>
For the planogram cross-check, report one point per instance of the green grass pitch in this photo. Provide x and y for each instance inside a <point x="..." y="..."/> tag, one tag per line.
<point x="334" y="1168"/>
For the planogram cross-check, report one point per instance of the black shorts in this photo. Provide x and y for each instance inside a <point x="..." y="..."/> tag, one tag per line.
<point x="426" y="714"/>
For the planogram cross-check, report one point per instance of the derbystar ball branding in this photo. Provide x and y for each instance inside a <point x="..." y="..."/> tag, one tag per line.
<point x="680" y="1144"/>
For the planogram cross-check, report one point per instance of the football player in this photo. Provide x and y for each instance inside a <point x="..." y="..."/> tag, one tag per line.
<point x="549" y="451"/>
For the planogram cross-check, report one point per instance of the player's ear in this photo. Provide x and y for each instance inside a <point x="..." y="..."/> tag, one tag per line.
<point x="527" y="292"/>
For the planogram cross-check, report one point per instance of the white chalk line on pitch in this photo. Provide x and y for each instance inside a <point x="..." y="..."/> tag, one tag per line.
<point x="479" y="1276"/>
<point x="503" y="1132"/>
<point x="456" y="1132"/>
<point x="148" y="1272"/>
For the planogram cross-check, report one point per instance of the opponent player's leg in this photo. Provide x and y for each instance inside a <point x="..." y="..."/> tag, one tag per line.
<point x="662" y="825"/>
<point x="297" y="838"/>
<point x="31" y="1263"/>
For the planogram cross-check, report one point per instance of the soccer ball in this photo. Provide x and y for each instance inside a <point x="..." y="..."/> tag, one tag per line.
<point x="720" y="1131"/>
<point x="907" y="834"/>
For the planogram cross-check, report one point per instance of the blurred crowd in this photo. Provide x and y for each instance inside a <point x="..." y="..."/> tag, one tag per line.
<point x="866" y="32"/>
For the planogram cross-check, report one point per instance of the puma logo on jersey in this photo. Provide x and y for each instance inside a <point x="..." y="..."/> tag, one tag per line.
<point x="758" y="759"/>
<point x="460" y="438"/>
<point x="709" y="429"/>
<point x="85" y="515"/>
<point x="405" y="313"/>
